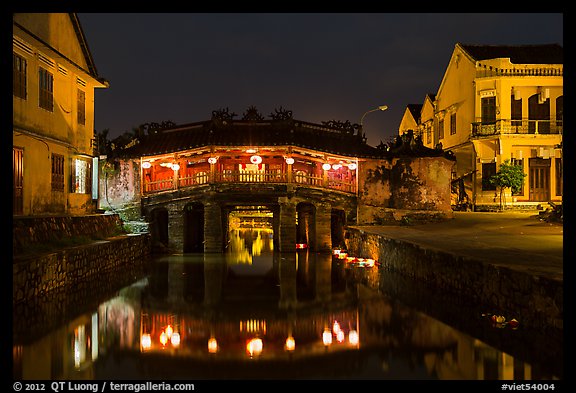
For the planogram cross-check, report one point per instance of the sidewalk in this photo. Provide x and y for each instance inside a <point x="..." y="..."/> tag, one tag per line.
<point x="517" y="240"/>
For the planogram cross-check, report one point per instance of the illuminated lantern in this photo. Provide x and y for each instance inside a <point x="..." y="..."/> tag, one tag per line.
<point x="146" y="341"/>
<point x="290" y="343"/>
<point x="212" y="345"/>
<point x="336" y="166"/>
<point x="169" y="330"/>
<point x="251" y="151"/>
<point x="254" y="347"/>
<point x="255" y="159"/>
<point x="352" y="166"/>
<point x="175" y="167"/>
<point x="289" y="161"/>
<point x="163" y="338"/>
<point x="336" y="327"/>
<point x="513" y="323"/>
<point x="326" y="167"/>
<point x="212" y="160"/>
<point x="340" y="336"/>
<point x="146" y="164"/>
<point x="175" y="339"/>
<point x="327" y="337"/>
<point x="353" y="337"/>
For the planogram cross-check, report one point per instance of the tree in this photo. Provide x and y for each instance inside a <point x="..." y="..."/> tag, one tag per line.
<point x="508" y="176"/>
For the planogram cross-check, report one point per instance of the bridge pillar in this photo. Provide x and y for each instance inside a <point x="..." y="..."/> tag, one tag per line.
<point x="213" y="231"/>
<point x="287" y="278"/>
<point x="323" y="278"/>
<point x="287" y="225"/>
<point x="323" y="227"/>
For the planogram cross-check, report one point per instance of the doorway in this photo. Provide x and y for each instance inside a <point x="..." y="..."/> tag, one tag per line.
<point x="539" y="179"/>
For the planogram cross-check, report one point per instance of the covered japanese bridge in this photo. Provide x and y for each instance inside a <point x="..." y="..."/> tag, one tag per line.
<point x="300" y="179"/>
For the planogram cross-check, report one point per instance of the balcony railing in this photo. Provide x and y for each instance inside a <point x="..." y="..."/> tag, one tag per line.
<point x="269" y="176"/>
<point x="500" y="127"/>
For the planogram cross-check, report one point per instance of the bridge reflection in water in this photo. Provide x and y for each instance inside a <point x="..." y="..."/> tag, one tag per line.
<point x="255" y="313"/>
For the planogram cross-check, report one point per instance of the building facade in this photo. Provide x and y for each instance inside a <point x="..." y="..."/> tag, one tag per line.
<point x="54" y="78"/>
<point x="499" y="103"/>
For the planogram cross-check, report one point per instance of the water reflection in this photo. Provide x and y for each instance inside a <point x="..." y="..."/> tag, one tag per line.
<point x="255" y="313"/>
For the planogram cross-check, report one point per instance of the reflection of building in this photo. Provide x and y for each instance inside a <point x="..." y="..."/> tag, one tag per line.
<point x="170" y="335"/>
<point x="498" y="103"/>
<point x="54" y="78"/>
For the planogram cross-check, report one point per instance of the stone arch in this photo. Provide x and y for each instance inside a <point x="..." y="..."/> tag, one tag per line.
<point x="193" y="228"/>
<point x="158" y="224"/>
<point x="337" y="224"/>
<point x="306" y="224"/>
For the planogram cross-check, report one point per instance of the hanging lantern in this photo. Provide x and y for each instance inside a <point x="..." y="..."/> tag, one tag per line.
<point x="353" y="337"/>
<point x="327" y="337"/>
<point x="352" y="166"/>
<point x="256" y="159"/>
<point x="146" y="341"/>
<point x="289" y="161"/>
<point x="290" y="343"/>
<point x="175" y="166"/>
<point x="336" y="166"/>
<point x="146" y="164"/>
<point x="212" y="160"/>
<point x="326" y="167"/>
<point x="212" y="345"/>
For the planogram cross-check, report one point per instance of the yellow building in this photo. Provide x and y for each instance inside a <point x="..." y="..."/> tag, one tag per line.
<point x="54" y="78"/>
<point x="498" y="103"/>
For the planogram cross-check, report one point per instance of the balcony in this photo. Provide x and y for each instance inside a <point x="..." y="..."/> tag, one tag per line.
<point x="525" y="126"/>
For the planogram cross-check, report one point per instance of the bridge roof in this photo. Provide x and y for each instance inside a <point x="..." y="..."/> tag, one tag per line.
<point x="334" y="139"/>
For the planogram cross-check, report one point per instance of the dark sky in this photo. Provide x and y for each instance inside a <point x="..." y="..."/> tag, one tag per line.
<point x="321" y="66"/>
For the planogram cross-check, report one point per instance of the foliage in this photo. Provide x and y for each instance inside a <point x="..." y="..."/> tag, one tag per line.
<point x="508" y="176"/>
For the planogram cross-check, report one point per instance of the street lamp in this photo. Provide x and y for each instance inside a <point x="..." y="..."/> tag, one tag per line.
<point x="380" y="108"/>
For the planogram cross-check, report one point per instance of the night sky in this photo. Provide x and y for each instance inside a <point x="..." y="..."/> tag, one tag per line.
<point x="321" y="66"/>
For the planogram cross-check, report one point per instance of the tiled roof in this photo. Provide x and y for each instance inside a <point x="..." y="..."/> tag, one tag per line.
<point x="518" y="54"/>
<point x="252" y="133"/>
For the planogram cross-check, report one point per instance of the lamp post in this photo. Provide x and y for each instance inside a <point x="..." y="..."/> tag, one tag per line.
<point x="380" y="108"/>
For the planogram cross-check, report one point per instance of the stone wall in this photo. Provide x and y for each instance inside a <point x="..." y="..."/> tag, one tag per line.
<point x="34" y="277"/>
<point x="30" y="231"/>
<point x="536" y="301"/>
<point x="418" y="184"/>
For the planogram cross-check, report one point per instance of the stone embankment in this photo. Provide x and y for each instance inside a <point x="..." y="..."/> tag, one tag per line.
<point x="62" y="254"/>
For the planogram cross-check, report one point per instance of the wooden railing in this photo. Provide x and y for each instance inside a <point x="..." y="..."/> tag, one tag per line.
<point x="247" y="177"/>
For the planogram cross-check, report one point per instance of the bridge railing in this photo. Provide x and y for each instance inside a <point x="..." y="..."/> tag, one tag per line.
<point x="269" y="176"/>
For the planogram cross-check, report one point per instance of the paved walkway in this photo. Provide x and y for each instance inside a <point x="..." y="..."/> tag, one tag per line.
<point x="517" y="240"/>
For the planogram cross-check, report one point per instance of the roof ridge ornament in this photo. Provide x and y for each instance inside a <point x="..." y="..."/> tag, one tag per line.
<point x="281" y="114"/>
<point x="252" y="114"/>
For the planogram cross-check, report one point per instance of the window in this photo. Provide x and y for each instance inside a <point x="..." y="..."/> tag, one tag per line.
<point x="57" y="172"/>
<point x="453" y="124"/>
<point x="428" y="134"/>
<point x="520" y="163"/>
<point x="81" y="107"/>
<point x="46" y="83"/>
<point x="441" y="129"/>
<point x="18" y="76"/>
<point x="81" y="177"/>
<point x="488" y="170"/>
<point x="488" y="110"/>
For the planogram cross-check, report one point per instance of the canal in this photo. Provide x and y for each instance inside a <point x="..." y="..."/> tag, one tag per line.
<point x="253" y="313"/>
